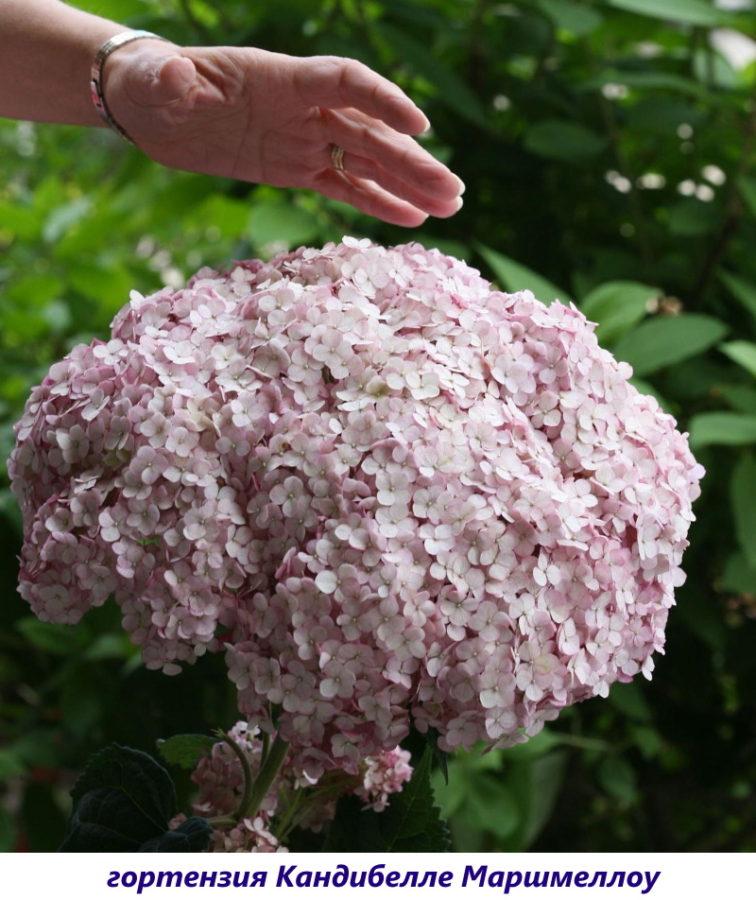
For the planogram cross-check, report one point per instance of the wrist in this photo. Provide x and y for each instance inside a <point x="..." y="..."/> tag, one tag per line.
<point x="115" y="57"/>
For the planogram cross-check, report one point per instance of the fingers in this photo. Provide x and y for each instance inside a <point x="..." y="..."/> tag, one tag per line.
<point x="395" y="184"/>
<point x="335" y="82"/>
<point x="395" y="153"/>
<point x="368" y="198"/>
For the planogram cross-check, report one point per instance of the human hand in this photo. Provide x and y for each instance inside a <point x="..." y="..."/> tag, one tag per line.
<point x="271" y="118"/>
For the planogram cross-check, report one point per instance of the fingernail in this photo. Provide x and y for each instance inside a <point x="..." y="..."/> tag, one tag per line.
<point x="460" y="185"/>
<point x="458" y="204"/>
<point x="427" y="127"/>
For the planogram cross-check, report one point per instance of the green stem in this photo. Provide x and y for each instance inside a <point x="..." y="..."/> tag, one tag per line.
<point x="288" y="821"/>
<point x="239" y="812"/>
<point x="265" y="777"/>
<point x="265" y="748"/>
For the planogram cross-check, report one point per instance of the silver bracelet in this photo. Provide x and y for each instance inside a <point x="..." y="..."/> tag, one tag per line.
<point x="95" y="84"/>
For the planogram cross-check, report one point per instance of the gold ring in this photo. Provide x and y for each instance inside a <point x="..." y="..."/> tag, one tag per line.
<point x="337" y="157"/>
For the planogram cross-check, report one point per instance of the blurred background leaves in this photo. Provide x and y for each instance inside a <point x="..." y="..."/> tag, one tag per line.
<point x="608" y="152"/>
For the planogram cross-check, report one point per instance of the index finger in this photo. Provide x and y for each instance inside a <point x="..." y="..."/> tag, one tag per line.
<point x="336" y="82"/>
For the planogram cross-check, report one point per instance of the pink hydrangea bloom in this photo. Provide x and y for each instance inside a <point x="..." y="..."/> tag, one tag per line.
<point x="387" y="490"/>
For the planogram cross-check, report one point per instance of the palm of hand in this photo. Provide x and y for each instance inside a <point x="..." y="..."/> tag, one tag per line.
<point x="266" y="117"/>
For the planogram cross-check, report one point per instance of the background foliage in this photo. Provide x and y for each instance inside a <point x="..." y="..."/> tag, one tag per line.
<point x="607" y="150"/>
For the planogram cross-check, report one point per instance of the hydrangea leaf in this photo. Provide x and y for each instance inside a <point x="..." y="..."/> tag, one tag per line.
<point x="185" y="750"/>
<point x="616" y="306"/>
<point x="666" y="340"/>
<point x="743" y="353"/>
<point x="412" y="821"/>
<point x="743" y="498"/>
<point x="122" y="800"/>
<point x="727" y="428"/>
<point x="741" y="289"/>
<point x="515" y="277"/>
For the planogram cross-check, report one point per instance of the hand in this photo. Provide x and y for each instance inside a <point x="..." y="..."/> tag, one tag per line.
<point x="271" y="118"/>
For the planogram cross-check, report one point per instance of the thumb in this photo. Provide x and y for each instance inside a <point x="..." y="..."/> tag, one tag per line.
<point x="157" y="81"/>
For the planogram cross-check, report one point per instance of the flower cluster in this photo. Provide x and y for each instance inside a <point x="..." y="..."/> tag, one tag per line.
<point x="220" y="781"/>
<point x="390" y="493"/>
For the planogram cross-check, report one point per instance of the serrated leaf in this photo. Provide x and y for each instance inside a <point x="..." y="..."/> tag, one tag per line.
<point x="665" y="340"/>
<point x="726" y="428"/>
<point x="743" y="499"/>
<point x="743" y="353"/>
<point x="122" y="799"/>
<point x="515" y="277"/>
<point x="412" y="821"/>
<point x="616" y="306"/>
<point x="185" y="750"/>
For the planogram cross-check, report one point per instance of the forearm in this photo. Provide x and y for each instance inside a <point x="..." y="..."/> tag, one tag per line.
<point x="46" y="50"/>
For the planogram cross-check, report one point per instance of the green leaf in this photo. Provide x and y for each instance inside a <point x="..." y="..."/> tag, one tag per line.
<point x="412" y="821"/>
<point x="122" y="799"/>
<point x="738" y="575"/>
<point x="287" y="224"/>
<point x="616" y="306"/>
<point x="727" y="428"/>
<point x="563" y="140"/>
<point x="691" y="12"/>
<point x="538" y="786"/>
<point x="185" y="750"/>
<point x="743" y="499"/>
<point x="570" y="16"/>
<point x="515" y="277"/>
<point x="490" y="803"/>
<point x="747" y="187"/>
<point x="617" y="777"/>
<point x="451" y="89"/>
<point x="741" y="289"/>
<point x="630" y="700"/>
<point x="665" y="340"/>
<point x="743" y="353"/>
<point x="61" y="640"/>
<point x="738" y="396"/>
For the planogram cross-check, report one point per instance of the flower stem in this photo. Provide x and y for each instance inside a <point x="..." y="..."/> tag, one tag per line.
<point x="239" y="812"/>
<point x="265" y="777"/>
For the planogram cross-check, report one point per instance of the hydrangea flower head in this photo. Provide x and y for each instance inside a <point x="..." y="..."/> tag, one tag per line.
<point x="389" y="492"/>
